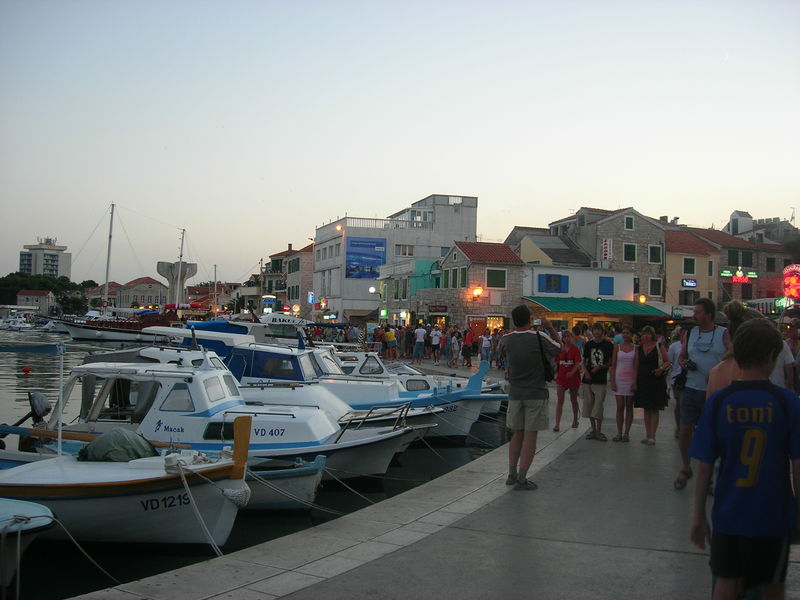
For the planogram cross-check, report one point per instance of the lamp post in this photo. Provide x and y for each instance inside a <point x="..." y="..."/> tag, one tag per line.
<point x="477" y="293"/>
<point x="381" y="311"/>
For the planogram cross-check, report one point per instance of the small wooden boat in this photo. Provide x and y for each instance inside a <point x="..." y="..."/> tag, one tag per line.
<point x="20" y="523"/>
<point x="158" y="499"/>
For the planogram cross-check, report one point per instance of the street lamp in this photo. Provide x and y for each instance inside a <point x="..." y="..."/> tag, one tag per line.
<point x="477" y="293"/>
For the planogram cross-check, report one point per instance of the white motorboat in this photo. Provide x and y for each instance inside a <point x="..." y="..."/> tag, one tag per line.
<point x="157" y="499"/>
<point x="189" y="397"/>
<point x="412" y="379"/>
<point x="15" y="323"/>
<point x="20" y="523"/>
<point x="257" y="366"/>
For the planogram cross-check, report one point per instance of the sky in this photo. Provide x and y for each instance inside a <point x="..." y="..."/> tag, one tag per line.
<point x="251" y="123"/>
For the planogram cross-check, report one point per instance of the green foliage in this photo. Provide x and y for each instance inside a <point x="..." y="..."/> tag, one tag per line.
<point x="12" y="283"/>
<point x="89" y="283"/>
<point x="72" y="305"/>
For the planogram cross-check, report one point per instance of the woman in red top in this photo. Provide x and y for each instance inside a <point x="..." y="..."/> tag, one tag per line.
<point x="568" y="378"/>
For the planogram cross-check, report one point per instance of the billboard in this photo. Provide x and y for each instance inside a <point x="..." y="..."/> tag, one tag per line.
<point x="363" y="257"/>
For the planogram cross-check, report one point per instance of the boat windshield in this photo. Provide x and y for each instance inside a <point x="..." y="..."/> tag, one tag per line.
<point x="310" y="367"/>
<point x="399" y="368"/>
<point x="327" y="364"/>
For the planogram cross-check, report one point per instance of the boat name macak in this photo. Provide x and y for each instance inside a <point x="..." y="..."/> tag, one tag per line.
<point x="167" y="427"/>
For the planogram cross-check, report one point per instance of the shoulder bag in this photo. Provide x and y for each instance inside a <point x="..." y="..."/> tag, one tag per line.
<point x="547" y="366"/>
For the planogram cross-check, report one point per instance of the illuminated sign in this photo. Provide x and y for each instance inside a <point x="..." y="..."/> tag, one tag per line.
<point x="783" y="302"/>
<point x="384" y="312"/>
<point x="791" y="281"/>
<point x="689" y="282"/>
<point x="738" y="276"/>
<point x="437" y="308"/>
<point x="286" y="308"/>
<point x="311" y="298"/>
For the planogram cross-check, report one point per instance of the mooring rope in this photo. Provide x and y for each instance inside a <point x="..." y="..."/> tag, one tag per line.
<point x="288" y="494"/>
<point x="328" y="471"/>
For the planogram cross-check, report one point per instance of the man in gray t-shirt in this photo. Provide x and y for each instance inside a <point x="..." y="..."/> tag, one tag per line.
<point x="527" y="395"/>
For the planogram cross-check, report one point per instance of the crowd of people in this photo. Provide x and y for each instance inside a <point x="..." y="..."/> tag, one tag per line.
<point x="735" y="406"/>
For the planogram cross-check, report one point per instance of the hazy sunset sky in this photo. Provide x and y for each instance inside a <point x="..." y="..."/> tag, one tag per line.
<point x="250" y="123"/>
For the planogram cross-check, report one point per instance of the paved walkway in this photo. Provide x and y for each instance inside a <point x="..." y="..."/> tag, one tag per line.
<point x="604" y="523"/>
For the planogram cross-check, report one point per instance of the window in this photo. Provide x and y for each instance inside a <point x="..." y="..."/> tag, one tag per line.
<point x="443" y="250"/>
<point x="605" y="286"/>
<point x="554" y="284"/>
<point x="214" y="389"/>
<point x="496" y="278"/>
<point x="338" y="249"/>
<point x="454" y="278"/>
<point x="747" y="291"/>
<point x="277" y="367"/>
<point x="293" y="265"/>
<point x="733" y="258"/>
<point x="688" y="266"/>
<point x="371" y="367"/>
<point x="629" y="222"/>
<point x="404" y="289"/>
<point x="747" y="259"/>
<point x="727" y="292"/>
<point x="455" y="256"/>
<point x="463" y="277"/>
<point x="318" y="253"/>
<point x="446" y="278"/>
<point x="324" y="253"/>
<point x="770" y="264"/>
<point x="178" y="398"/>
<point x="710" y="295"/>
<point x="710" y="269"/>
<point x="655" y="286"/>
<point x="629" y="252"/>
<point x="396" y="289"/>
<point x="654" y="254"/>
<point x="688" y="297"/>
<point x="403" y="250"/>
<point x="635" y="285"/>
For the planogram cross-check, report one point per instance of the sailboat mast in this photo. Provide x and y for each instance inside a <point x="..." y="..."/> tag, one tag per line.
<point x="214" y="304"/>
<point x="179" y="286"/>
<point x="108" y="258"/>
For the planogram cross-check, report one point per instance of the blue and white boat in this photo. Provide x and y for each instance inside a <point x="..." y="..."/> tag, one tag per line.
<point x="189" y="397"/>
<point x="257" y="366"/>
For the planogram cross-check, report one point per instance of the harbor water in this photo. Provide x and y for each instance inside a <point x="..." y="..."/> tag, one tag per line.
<point x="69" y="573"/>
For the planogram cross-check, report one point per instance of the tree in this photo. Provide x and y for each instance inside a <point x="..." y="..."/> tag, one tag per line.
<point x="89" y="283"/>
<point x="72" y="305"/>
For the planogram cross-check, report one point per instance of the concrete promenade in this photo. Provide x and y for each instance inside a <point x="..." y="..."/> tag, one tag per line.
<point x="604" y="523"/>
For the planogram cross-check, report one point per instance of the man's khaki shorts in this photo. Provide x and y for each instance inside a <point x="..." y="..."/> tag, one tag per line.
<point x="530" y="415"/>
<point x="594" y="394"/>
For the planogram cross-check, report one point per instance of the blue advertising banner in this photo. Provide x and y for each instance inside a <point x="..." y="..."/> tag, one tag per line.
<point x="363" y="257"/>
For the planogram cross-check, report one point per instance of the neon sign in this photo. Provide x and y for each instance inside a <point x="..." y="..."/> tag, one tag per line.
<point x="739" y="276"/>
<point x="791" y="281"/>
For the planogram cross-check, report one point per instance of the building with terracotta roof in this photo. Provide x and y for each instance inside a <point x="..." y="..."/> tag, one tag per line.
<point x="40" y="301"/>
<point x="746" y="270"/>
<point x="692" y="267"/>
<point x="475" y="285"/>
<point x="142" y="291"/>
<point x="351" y="252"/>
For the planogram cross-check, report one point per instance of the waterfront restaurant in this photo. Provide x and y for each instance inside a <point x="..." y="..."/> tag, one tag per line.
<point x="568" y="296"/>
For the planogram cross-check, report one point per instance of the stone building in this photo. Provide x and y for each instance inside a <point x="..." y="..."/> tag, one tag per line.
<point x="479" y="284"/>
<point x="623" y="240"/>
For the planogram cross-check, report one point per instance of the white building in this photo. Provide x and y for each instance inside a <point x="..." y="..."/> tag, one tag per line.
<point x="45" y="258"/>
<point x="349" y="251"/>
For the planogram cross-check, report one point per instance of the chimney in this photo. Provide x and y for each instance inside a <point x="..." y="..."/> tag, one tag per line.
<point x="674" y="221"/>
<point x="290" y="247"/>
<point x="663" y="219"/>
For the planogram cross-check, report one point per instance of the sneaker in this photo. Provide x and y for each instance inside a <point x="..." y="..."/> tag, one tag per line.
<point x="591" y="435"/>
<point x="511" y="480"/>
<point x="525" y="484"/>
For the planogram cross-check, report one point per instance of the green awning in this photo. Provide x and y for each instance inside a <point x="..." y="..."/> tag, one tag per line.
<point x="595" y="306"/>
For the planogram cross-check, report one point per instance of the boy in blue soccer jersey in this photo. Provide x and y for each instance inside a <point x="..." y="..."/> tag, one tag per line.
<point x="753" y="427"/>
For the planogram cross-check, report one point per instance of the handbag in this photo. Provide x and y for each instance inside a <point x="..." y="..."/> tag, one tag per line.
<point x="547" y="366"/>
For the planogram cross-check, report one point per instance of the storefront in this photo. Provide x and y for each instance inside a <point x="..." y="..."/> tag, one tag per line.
<point x="568" y="312"/>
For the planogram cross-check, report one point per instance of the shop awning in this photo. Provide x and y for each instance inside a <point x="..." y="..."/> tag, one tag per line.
<point x="595" y="306"/>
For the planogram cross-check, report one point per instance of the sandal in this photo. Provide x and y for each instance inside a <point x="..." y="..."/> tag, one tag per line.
<point x="617" y="438"/>
<point x="555" y="428"/>
<point x="683" y="478"/>
<point x="626" y="437"/>
<point x="591" y="435"/>
<point x="525" y="484"/>
<point x="601" y="437"/>
<point x="575" y="425"/>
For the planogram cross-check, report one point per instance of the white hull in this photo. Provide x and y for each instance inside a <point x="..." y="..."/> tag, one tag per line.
<point x="457" y="418"/>
<point x="104" y="334"/>
<point x="284" y="490"/>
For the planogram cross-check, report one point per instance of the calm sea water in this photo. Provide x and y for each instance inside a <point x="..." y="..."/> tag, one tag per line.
<point x="70" y="574"/>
